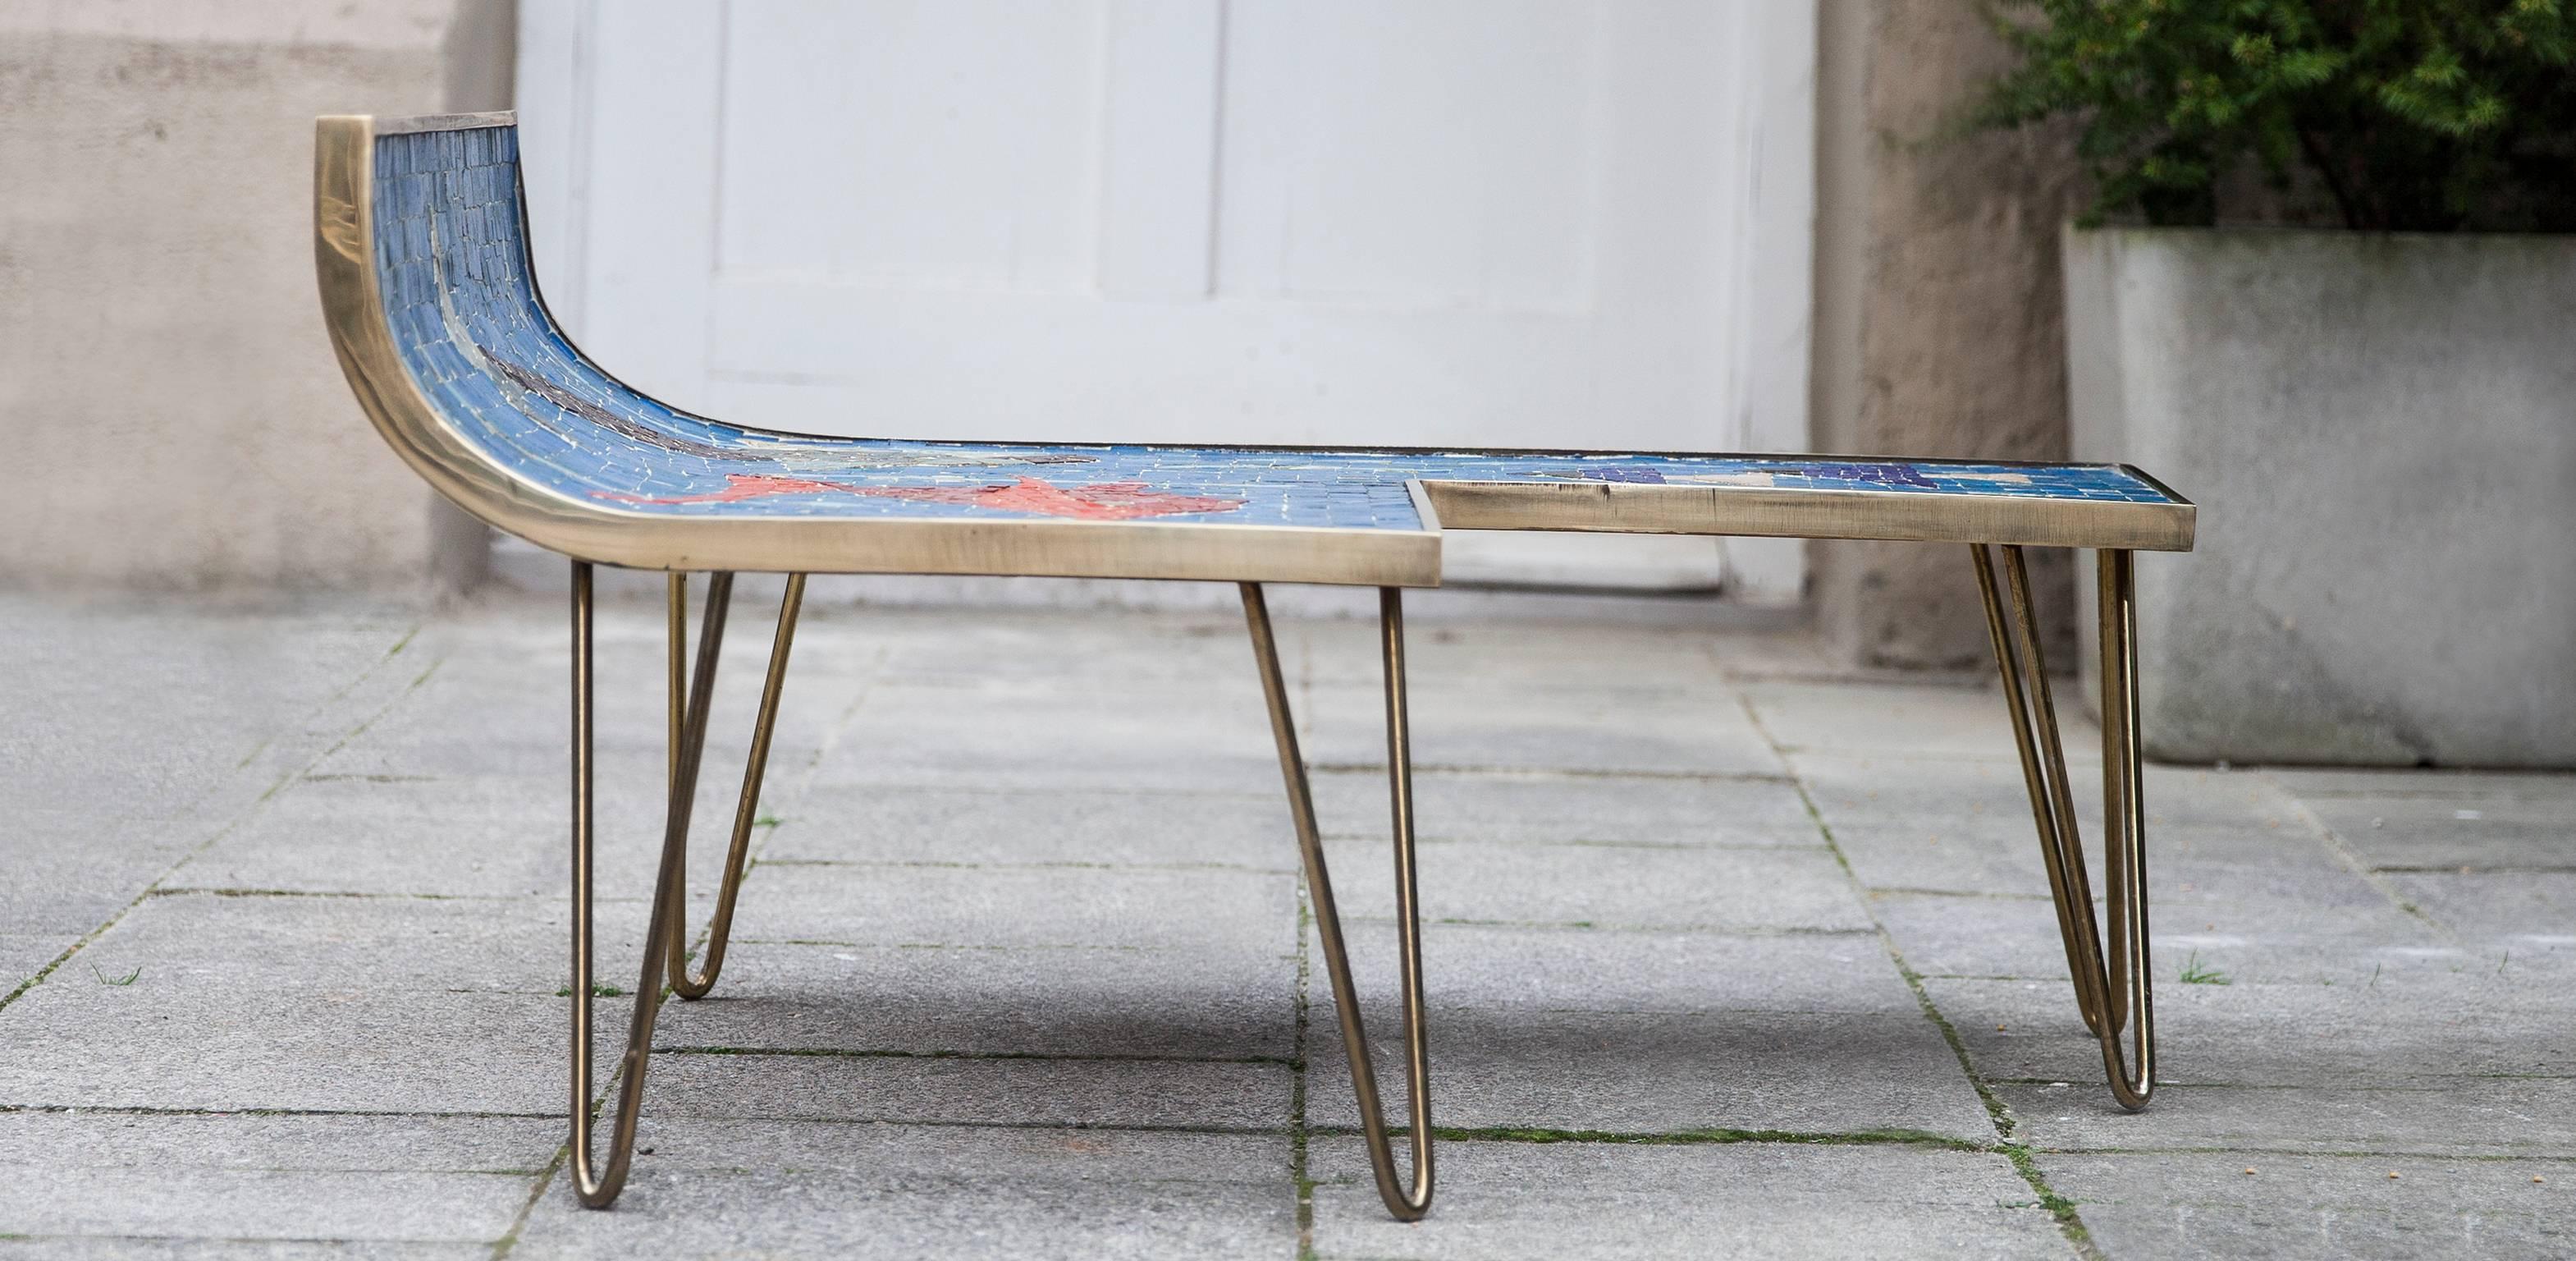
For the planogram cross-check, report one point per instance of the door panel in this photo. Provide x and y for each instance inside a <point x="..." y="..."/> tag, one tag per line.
<point x="891" y="145"/>
<point x="1435" y="154"/>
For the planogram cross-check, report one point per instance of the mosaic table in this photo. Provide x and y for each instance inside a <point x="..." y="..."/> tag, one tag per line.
<point x="427" y="287"/>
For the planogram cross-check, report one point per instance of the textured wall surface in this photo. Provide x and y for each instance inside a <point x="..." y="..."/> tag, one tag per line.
<point x="169" y="401"/>
<point x="1939" y="317"/>
<point x="2381" y="431"/>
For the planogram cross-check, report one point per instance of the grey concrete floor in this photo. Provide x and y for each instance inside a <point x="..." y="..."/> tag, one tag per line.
<point x="1728" y="955"/>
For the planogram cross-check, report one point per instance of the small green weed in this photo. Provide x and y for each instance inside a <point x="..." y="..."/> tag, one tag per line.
<point x="2195" y="974"/>
<point x="597" y="990"/>
<point x="127" y="979"/>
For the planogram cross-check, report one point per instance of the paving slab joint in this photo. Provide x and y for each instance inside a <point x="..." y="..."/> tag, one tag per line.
<point x="2070" y="1223"/>
<point x="254" y="807"/>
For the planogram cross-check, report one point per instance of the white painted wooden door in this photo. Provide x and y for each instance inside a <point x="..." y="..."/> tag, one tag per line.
<point x="1549" y="223"/>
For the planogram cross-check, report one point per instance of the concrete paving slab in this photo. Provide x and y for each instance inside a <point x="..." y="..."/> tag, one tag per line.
<point x="2325" y="1208"/>
<point x="499" y="706"/>
<point x="1662" y="1073"/>
<point x="2297" y="877"/>
<point x="2312" y="782"/>
<point x="1980" y="798"/>
<point x="72" y="1042"/>
<point x="106" y="793"/>
<point x="2446" y="833"/>
<point x="1736" y="1199"/>
<point x="419" y="1144"/>
<point x="1018" y="879"/>
<point x="2498" y="1117"/>
<point x="1966" y="827"/>
<point x="129" y="1248"/>
<point x="2219" y="861"/>
<point x="1013" y="733"/>
<point x="829" y="1190"/>
<point x="71" y="871"/>
<point x="957" y="1090"/>
<point x="2252" y="941"/>
<point x="1475" y="724"/>
<point x="2540" y="905"/>
<point x="204" y="946"/>
<point x="1542" y="970"/>
<point x="1925" y="856"/>
<point x="1608" y="886"/>
<point x="2397" y="1033"/>
<point x="1040" y="906"/>
<point x="1623" y="809"/>
<point x="1991" y="791"/>
<point x="23" y="955"/>
<point x="493" y="706"/>
<point x="2186" y="865"/>
<point x="478" y="836"/>
<point x="1907" y="720"/>
<point x="2216" y="797"/>
<point x="966" y="823"/>
<point x="621" y="751"/>
<point x="372" y="1179"/>
<point x="1168" y="1003"/>
<point x="475" y="837"/>
<point x="225" y="682"/>
<point x="1562" y="654"/>
<point x="1073" y="649"/>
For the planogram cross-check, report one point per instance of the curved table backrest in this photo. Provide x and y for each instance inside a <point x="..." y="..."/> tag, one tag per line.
<point x="422" y="250"/>
<point x="428" y="289"/>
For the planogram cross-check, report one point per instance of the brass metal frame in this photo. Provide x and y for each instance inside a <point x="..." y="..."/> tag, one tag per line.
<point x="2114" y="989"/>
<point x="683" y="796"/>
<point x="665" y="945"/>
<point x="596" y="1186"/>
<point x="1406" y="1202"/>
<point x="1786" y="512"/>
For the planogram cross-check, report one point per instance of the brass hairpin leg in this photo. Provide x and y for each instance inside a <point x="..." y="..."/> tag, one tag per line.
<point x="2113" y="990"/>
<point x="598" y="1187"/>
<point x="747" y="808"/>
<point x="1406" y="1204"/>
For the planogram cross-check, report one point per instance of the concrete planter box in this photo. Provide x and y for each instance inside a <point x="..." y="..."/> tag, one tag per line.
<point x="2381" y="433"/>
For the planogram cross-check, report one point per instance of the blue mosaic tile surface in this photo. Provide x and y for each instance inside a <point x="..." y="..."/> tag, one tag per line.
<point x="455" y="276"/>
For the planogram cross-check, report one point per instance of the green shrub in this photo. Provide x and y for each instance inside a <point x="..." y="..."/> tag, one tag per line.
<point x="2392" y="115"/>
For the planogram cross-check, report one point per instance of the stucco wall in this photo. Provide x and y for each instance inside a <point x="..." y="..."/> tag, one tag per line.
<point x="168" y="399"/>
<point x="1940" y="322"/>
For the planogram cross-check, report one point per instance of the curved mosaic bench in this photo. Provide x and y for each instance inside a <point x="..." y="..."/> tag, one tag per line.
<point x="427" y="287"/>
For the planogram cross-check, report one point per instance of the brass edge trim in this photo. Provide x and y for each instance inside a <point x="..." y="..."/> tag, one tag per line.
<point x="344" y="159"/>
<point x="1427" y="516"/>
<point x="2155" y="483"/>
<point x="446" y="122"/>
<point x="1632" y="508"/>
<point x="1422" y="505"/>
<point x="2190" y="514"/>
